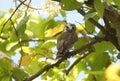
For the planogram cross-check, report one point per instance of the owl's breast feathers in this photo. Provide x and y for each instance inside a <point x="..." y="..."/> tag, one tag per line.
<point x="65" y="42"/>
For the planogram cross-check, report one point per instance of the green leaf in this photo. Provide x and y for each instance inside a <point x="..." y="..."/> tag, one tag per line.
<point x="63" y="13"/>
<point x="98" y="61"/>
<point x="109" y="1"/>
<point x="38" y="25"/>
<point x="21" y="26"/>
<point x="19" y="74"/>
<point x="99" y="75"/>
<point x="5" y="69"/>
<point x="73" y="74"/>
<point x="68" y="5"/>
<point x="81" y="41"/>
<point x="89" y="15"/>
<point x="99" y="7"/>
<point x="104" y="46"/>
<point x="6" y="78"/>
<point x="10" y="45"/>
<point x="81" y="65"/>
<point x="117" y="2"/>
<point x="49" y="44"/>
<point x="96" y="75"/>
<point x="35" y="65"/>
<point x="89" y="27"/>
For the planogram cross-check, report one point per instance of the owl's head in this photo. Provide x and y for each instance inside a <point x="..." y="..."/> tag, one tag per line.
<point x="70" y="28"/>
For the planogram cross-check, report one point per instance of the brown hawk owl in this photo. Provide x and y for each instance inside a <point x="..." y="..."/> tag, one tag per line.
<point x="66" y="40"/>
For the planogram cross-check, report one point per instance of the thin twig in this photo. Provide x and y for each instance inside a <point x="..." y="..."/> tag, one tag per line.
<point x="34" y="39"/>
<point x="56" y="64"/>
<point x="78" y="60"/>
<point x="4" y="38"/>
<point x="18" y="41"/>
<point x="11" y="16"/>
<point x="29" y="6"/>
<point x="92" y="21"/>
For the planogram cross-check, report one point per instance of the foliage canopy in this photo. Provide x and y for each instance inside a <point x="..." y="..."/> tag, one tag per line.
<point x="25" y="32"/>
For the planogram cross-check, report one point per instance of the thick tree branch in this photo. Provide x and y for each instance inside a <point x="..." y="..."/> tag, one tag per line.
<point x="112" y="14"/>
<point x="107" y="24"/>
<point x="68" y="55"/>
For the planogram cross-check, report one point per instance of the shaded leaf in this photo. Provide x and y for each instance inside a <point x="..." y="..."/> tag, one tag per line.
<point x="68" y="5"/>
<point x="6" y="78"/>
<point x="89" y="15"/>
<point x="19" y="74"/>
<point x="98" y="61"/>
<point x="81" y="41"/>
<point x="117" y="2"/>
<point x="5" y="69"/>
<point x="104" y="46"/>
<point x="99" y="7"/>
<point x="89" y="27"/>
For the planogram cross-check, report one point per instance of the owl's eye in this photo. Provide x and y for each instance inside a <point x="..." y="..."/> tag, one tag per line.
<point x="67" y="27"/>
<point x="73" y="27"/>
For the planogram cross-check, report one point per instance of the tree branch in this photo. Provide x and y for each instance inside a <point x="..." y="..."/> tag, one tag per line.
<point x="68" y="55"/>
<point x="107" y="24"/>
<point x="34" y="39"/>
<point x="18" y="42"/>
<point x="92" y="21"/>
<point x="11" y="16"/>
<point x="29" y="6"/>
<point x="78" y="60"/>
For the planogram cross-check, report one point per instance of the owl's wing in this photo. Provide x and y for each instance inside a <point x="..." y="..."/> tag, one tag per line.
<point x="66" y="40"/>
<point x="61" y="40"/>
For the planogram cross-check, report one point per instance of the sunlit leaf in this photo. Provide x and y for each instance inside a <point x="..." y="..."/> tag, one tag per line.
<point x="21" y="26"/>
<point x="73" y="74"/>
<point x="80" y="27"/>
<point x="26" y="60"/>
<point x="25" y="49"/>
<point x="112" y="72"/>
<point x="10" y="45"/>
<point x="51" y="32"/>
